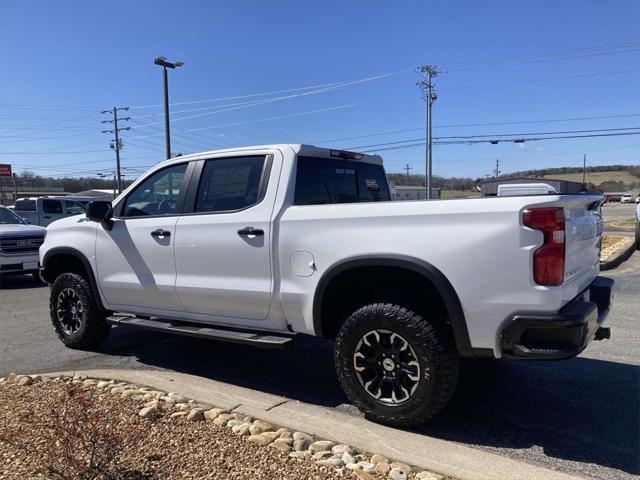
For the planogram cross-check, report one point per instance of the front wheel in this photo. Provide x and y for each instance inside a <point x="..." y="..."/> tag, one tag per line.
<point x="77" y="318"/>
<point x="394" y="365"/>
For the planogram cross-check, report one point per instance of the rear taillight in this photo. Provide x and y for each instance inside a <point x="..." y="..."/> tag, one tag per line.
<point x="548" y="260"/>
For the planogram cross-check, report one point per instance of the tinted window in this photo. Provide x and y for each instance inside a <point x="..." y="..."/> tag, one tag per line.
<point x="25" y="205"/>
<point x="52" y="206"/>
<point x="229" y="184"/>
<point x="157" y="195"/>
<point x="327" y="180"/>
<point x="7" y="216"/>
<point x="73" y="208"/>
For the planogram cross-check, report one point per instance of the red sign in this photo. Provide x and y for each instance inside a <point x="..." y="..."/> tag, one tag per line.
<point x="5" y="170"/>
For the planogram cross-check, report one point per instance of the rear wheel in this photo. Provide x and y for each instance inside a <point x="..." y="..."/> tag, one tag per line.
<point x="77" y="318"/>
<point x="394" y="365"/>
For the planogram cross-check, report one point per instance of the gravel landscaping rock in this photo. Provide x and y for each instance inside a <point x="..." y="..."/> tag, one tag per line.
<point x="360" y="475"/>
<point x="342" y="448"/>
<point x="24" y="381"/>
<point x="213" y="413"/>
<point x="348" y="458"/>
<point x="429" y="476"/>
<point x="397" y="474"/>
<point x="170" y="446"/>
<point x="148" y="412"/>
<point x="196" y="415"/>
<point x="377" y="458"/>
<point x="160" y="416"/>
<point x="331" y="462"/>
<point x="321" y="445"/>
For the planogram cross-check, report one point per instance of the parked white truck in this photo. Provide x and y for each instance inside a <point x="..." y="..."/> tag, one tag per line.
<point x="45" y="210"/>
<point x="256" y="245"/>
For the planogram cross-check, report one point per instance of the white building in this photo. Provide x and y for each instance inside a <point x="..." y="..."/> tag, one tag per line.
<point x="412" y="192"/>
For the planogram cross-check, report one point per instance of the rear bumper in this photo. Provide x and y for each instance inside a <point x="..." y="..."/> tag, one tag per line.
<point x="564" y="334"/>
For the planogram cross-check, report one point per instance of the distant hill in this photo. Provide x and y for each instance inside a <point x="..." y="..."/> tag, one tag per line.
<point x="602" y="177"/>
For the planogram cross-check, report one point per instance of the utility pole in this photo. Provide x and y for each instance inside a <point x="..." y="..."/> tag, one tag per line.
<point x="162" y="61"/>
<point x="496" y="172"/>
<point x="408" y="167"/>
<point x="429" y="96"/>
<point x="15" y="188"/>
<point x="584" y="171"/>
<point x="117" y="143"/>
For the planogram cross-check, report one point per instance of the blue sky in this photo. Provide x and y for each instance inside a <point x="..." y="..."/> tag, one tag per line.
<point x="61" y="62"/>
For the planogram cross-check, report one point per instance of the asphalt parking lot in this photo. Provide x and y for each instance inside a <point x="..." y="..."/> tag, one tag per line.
<point x="580" y="416"/>
<point x="616" y="212"/>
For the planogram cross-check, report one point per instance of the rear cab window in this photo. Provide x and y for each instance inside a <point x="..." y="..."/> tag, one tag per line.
<point x="25" y="206"/>
<point x="328" y="180"/>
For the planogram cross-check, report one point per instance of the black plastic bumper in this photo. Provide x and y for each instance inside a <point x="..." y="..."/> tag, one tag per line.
<point x="563" y="334"/>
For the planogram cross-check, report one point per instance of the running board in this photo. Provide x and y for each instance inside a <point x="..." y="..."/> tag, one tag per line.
<point x="199" y="331"/>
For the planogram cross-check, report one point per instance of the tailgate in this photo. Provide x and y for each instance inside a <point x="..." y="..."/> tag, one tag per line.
<point x="583" y="232"/>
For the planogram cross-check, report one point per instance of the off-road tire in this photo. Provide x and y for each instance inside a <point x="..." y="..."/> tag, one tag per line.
<point x="436" y="354"/>
<point x="93" y="326"/>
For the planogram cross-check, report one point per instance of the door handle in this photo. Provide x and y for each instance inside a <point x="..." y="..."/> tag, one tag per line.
<point x="46" y="216"/>
<point x="250" y="232"/>
<point x="159" y="232"/>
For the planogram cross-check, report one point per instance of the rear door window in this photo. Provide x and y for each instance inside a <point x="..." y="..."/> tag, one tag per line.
<point x="229" y="184"/>
<point x="52" y="206"/>
<point x="327" y="180"/>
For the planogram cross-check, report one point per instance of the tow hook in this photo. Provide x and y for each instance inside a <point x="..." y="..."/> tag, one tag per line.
<point x="602" y="333"/>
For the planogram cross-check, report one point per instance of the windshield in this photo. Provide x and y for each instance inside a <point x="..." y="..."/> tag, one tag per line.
<point x="8" y="217"/>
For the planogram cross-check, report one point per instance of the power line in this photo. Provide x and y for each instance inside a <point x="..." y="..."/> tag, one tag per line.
<point x="547" y="54"/>
<point x="497" y="64"/>
<point x="71" y="152"/>
<point x="567" y="77"/>
<point x="392" y="132"/>
<point x="327" y="86"/>
<point x="495" y="136"/>
<point x="493" y="141"/>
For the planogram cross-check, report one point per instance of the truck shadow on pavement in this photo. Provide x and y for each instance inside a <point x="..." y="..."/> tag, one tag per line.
<point x="581" y="410"/>
<point x="19" y="282"/>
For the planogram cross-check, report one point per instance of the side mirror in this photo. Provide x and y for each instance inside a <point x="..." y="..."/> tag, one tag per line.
<point x="100" y="211"/>
<point x="26" y="220"/>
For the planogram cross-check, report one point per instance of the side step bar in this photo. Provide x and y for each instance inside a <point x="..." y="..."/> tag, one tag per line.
<point x="200" y="331"/>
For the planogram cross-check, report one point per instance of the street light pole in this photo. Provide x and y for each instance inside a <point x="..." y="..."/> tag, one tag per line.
<point x="162" y="61"/>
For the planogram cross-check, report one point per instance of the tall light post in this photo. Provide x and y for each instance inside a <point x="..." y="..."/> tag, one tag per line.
<point x="162" y="61"/>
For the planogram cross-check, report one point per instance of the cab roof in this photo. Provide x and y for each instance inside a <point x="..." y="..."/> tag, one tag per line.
<point x="299" y="149"/>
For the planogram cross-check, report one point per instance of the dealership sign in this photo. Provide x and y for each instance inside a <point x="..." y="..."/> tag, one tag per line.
<point x="5" y="170"/>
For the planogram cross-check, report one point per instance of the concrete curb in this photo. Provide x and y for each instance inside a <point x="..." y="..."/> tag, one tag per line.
<point x="618" y="258"/>
<point x="442" y="456"/>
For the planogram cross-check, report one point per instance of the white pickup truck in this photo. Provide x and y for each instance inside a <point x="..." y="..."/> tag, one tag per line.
<point x="45" y="210"/>
<point x="256" y="245"/>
